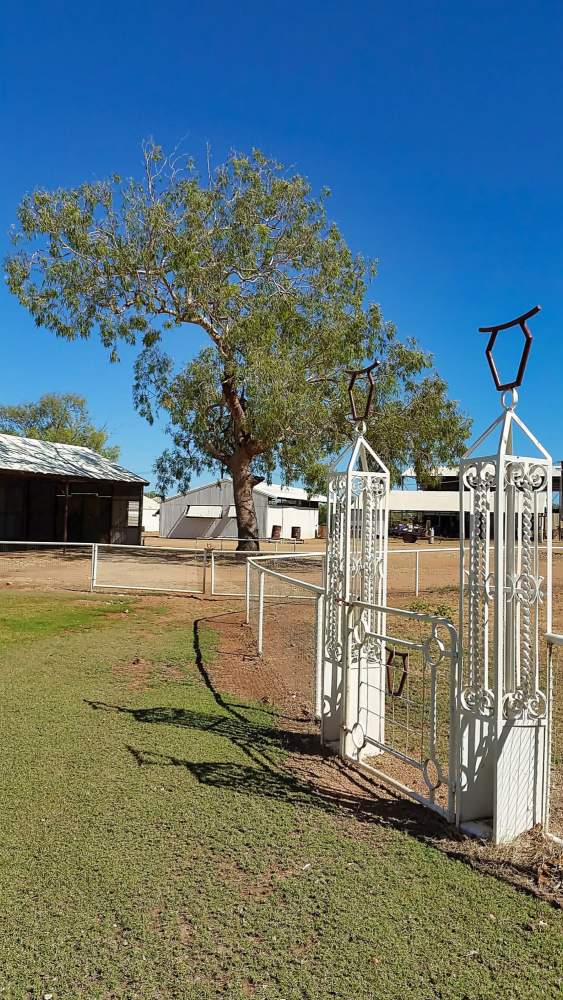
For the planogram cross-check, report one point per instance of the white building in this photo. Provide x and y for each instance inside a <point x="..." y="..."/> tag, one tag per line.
<point x="439" y="505"/>
<point x="209" y="512"/>
<point x="151" y="515"/>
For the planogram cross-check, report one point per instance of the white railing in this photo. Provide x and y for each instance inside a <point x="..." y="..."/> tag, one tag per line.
<point x="179" y="569"/>
<point x="229" y="569"/>
<point x="298" y="639"/>
<point x="166" y="569"/>
<point x="420" y="554"/>
<point x="92" y="565"/>
<point x="224" y="543"/>
<point x="66" y="565"/>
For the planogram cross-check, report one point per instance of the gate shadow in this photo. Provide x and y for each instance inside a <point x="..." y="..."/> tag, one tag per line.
<point x="285" y="764"/>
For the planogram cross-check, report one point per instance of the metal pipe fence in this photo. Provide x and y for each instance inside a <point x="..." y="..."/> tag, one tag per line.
<point x="66" y="566"/>
<point x="136" y="567"/>
<point x="285" y="615"/>
<point x="89" y="566"/>
<point x="419" y="571"/>
<point x="225" y="544"/>
<point x="175" y="569"/>
<point x="229" y="575"/>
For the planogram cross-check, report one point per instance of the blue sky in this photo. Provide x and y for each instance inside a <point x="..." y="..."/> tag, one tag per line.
<point x="438" y="127"/>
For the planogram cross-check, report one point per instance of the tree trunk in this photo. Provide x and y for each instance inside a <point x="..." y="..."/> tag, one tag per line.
<point x="247" y="525"/>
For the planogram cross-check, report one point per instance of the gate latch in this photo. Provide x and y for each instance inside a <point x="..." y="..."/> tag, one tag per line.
<point x="391" y="654"/>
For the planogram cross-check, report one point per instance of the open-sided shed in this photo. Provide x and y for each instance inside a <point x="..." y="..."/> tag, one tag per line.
<point x="64" y="493"/>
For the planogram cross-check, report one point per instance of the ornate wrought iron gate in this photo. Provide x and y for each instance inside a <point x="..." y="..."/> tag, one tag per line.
<point x="388" y="674"/>
<point x="463" y="726"/>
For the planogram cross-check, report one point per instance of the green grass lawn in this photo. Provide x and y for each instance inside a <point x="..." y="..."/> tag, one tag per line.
<point x="153" y="846"/>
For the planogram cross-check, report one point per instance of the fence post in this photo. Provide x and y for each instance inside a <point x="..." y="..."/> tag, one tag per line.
<point x="247" y="591"/>
<point x="213" y="571"/>
<point x="416" y="573"/>
<point x="204" y="580"/>
<point x="319" y="658"/>
<point x="94" y="566"/>
<point x="260" y="613"/>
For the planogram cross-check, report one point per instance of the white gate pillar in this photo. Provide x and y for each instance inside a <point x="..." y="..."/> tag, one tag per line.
<point x="356" y="569"/>
<point x="502" y="691"/>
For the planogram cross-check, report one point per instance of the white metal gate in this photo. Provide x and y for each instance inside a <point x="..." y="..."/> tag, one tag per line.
<point x="399" y="700"/>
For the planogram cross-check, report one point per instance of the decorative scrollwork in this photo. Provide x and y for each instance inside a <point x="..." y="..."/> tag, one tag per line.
<point x="526" y="476"/>
<point x="433" y="650"/>
<point x="479" y="701"/>
<point x="518" y="705"/>
<point x="333" y="650"/>
<point x="358" y="736"/>
<point x="479" y="474"/>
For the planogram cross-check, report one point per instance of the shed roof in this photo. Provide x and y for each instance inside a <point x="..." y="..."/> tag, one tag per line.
<point x="275" y="491"/>
<point x="44" y="458"/>
<point x="271" y="490"/>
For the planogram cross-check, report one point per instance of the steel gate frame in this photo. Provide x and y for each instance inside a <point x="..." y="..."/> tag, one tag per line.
<point x="366" y="655"/>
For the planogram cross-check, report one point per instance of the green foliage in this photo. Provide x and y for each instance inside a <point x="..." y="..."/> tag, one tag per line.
<point x="423" y="607"/>
<point x="59" y="417"/>
<point x="249" y="256"/>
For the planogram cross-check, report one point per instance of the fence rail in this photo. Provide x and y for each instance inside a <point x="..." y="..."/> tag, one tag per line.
<point x="137" y="567"/>
<point x="229" y="569"/>
<point x="223" y="544"/>
<point x="286" y="616"/>
<point x="178" y="569"/>
<point x="64" y="565"/>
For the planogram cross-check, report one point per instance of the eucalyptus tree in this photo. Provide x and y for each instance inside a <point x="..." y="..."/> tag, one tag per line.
<point x="61" y="417"/>
<point x="271" y="301"/>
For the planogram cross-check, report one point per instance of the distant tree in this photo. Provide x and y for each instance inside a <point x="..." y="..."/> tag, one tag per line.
<point x="247" y="255"/>
<point x="59" y="417"/>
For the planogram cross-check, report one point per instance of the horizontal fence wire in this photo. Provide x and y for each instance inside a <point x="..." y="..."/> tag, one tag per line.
<point x="286" y="623"/>
<point x="227" y="544"/>
<point x="228" y="572"/>
<point x="46" y="566"/>
<point x="137" y="567"/>
<point x="228" y="569"/>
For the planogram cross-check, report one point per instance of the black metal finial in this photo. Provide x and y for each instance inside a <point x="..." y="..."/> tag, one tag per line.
<point x="494" y="331"/>
<point x="359" y="374"/>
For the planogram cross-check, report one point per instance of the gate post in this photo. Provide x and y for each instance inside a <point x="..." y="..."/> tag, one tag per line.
<point x="502" y="695"/>
<point x="356" y="569"/>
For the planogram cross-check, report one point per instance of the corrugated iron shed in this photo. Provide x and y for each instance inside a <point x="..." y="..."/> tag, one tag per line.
<point x="43" y="458"/>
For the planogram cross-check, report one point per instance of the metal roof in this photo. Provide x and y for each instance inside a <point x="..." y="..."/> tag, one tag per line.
<point x="271" y="490"/>
<point x="44" y="458"/>
<point x="275" y="491"/>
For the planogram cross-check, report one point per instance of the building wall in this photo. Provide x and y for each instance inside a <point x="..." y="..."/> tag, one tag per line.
<point x="306" y="518"/>
<point x="41" y="509"/>
<point x="151" y="516"/>
<point x="173" y="523"/>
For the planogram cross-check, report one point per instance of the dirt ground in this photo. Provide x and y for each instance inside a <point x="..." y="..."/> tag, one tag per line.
<point x="531" y="863"/>
<point x="153" y="567"/>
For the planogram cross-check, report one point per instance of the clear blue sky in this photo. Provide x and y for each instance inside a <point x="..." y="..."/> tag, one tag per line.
<point x="437" y="125"/>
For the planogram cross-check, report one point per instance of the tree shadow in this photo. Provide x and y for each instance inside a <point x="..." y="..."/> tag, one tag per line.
<point x="291" y="767"/>
<point x="318" y="779"/>
<point x="263" y="780"/>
